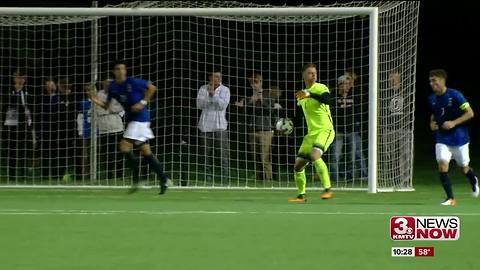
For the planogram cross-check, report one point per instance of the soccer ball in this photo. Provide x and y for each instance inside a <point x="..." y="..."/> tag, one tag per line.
<point x="284" y="126"/>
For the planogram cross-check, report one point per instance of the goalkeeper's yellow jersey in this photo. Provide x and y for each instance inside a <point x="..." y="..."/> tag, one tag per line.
<point x="317" y="114"/>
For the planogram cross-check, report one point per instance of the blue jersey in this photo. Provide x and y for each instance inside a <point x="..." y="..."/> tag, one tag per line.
<point x="129" y="93"/>
<point x="84" y="120"/>
<point x="448" y="107"/>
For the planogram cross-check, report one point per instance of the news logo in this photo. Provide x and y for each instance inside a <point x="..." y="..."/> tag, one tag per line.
<point x="424" y="228"/>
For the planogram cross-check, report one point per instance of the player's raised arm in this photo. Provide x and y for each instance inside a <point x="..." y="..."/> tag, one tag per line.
<point x="324" y="98"/>
<point x="321" y="94"/>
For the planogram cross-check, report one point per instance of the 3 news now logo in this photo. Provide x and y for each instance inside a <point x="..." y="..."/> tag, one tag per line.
<point x="424" y="228"/>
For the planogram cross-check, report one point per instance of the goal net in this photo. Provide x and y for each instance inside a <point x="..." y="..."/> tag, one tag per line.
<point x="52" y="136"/>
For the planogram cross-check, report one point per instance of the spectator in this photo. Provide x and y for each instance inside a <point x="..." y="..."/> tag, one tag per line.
<point x="48" y="112"/>
<point x="278" y="142"/>
<point x="110" y="127"/>
<point x="276" y="94"/>
<point x="17" y="121"/>
<point x="347" y="125"/>
<point x="213" y="99"/>
<point x="259" y="120"/>
<point x="84" y="131"/>
<point x="67" y="120"/>
<point x="396" y="127"/>
<point x="353" y="75"/>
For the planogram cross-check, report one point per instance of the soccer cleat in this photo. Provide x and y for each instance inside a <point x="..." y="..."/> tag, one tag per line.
<point x="133" y="189"/>
<point x="164" y="186"/>
<point x="326" y="195"/>
<point x="475" y="190"/>
<point x="163" y="189"/>
<point x="299" y="199"/>
<point x="451" y="202"/>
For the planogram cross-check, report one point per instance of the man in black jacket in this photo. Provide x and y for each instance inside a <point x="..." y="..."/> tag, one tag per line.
<point x="16" y="119"/>
<point x="48" y="127"/>
<point x="347" y="116"/>
<point x="67" y="115"/>
<point x="259" y="109"/>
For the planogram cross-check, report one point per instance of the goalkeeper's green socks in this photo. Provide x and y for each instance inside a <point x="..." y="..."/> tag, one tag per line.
<point x="301" y="181"/>
<point x="322" y="171"/>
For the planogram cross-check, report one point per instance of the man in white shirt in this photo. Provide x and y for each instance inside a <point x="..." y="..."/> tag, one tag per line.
<point x="213" y="99"/>
<point x="110" y="128"/>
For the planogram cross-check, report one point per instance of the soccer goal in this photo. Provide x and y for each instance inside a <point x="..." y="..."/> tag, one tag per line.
<point x="365" y="52"/>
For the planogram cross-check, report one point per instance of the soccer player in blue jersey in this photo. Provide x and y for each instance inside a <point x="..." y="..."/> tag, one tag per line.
<point x="450" y="111"/>
<point x="134" y="94"/>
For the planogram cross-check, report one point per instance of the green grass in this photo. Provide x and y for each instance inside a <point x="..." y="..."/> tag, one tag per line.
<point x="89" y="229"/>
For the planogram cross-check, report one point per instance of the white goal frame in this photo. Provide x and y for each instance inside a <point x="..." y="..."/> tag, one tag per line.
<point x="371" y="12"/>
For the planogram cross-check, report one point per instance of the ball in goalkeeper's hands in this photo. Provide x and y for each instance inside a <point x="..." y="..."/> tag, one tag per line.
<point x="284" y="126"/>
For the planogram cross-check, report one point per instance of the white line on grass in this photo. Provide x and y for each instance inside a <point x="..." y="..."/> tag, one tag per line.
<point x="206" y="212"/>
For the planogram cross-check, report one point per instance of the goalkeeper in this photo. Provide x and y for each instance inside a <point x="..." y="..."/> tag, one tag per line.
<point x="314" y="100"/>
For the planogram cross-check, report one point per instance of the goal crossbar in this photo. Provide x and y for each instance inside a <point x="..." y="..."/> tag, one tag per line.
<point x="287" y="11"/>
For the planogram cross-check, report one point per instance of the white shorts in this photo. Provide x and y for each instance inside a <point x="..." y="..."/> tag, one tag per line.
<point x="460" y="153"/>
<point x="139" y="131"/>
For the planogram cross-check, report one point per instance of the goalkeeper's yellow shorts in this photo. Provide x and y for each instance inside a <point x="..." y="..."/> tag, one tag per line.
<point x="321" y="139"/>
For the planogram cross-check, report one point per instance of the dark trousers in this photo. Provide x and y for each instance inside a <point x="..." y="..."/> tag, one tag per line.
<point x="110" y="157"/>
<point x="66" y="152"/>
<point x="52" y="164"/>
<point x="19" y="149"/>
<point x="83" y="159"/>
<point x="212" y="141"/>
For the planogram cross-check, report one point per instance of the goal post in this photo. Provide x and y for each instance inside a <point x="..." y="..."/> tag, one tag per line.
<point x="168" y="43"/>
<point x="372" y="101"/>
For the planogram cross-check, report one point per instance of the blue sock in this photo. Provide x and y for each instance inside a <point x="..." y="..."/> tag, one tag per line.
<point x="157" y="167"/>
<point x="471" y="177"/>
<point x="133" y="163"/>
<point x="447" y="186"/>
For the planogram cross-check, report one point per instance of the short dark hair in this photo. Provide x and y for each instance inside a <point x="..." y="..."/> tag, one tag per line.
<point x="441" y="73"/>
<point x="309" y="65"/>
<point x="63" y="80"/>
<point x="256" y="76"/>
<point x="352" y="73"/>
<point x="48" y="79"/>
<point x="118" y="62"/>
<point x="18" y="73"/>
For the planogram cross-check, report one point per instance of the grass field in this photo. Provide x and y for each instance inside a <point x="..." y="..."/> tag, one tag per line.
<point x="108" y="229"/>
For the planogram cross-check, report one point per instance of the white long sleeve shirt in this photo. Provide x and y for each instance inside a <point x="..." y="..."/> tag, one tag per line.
<point x="214" y="108"/>
<point x="109" y="121"/>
